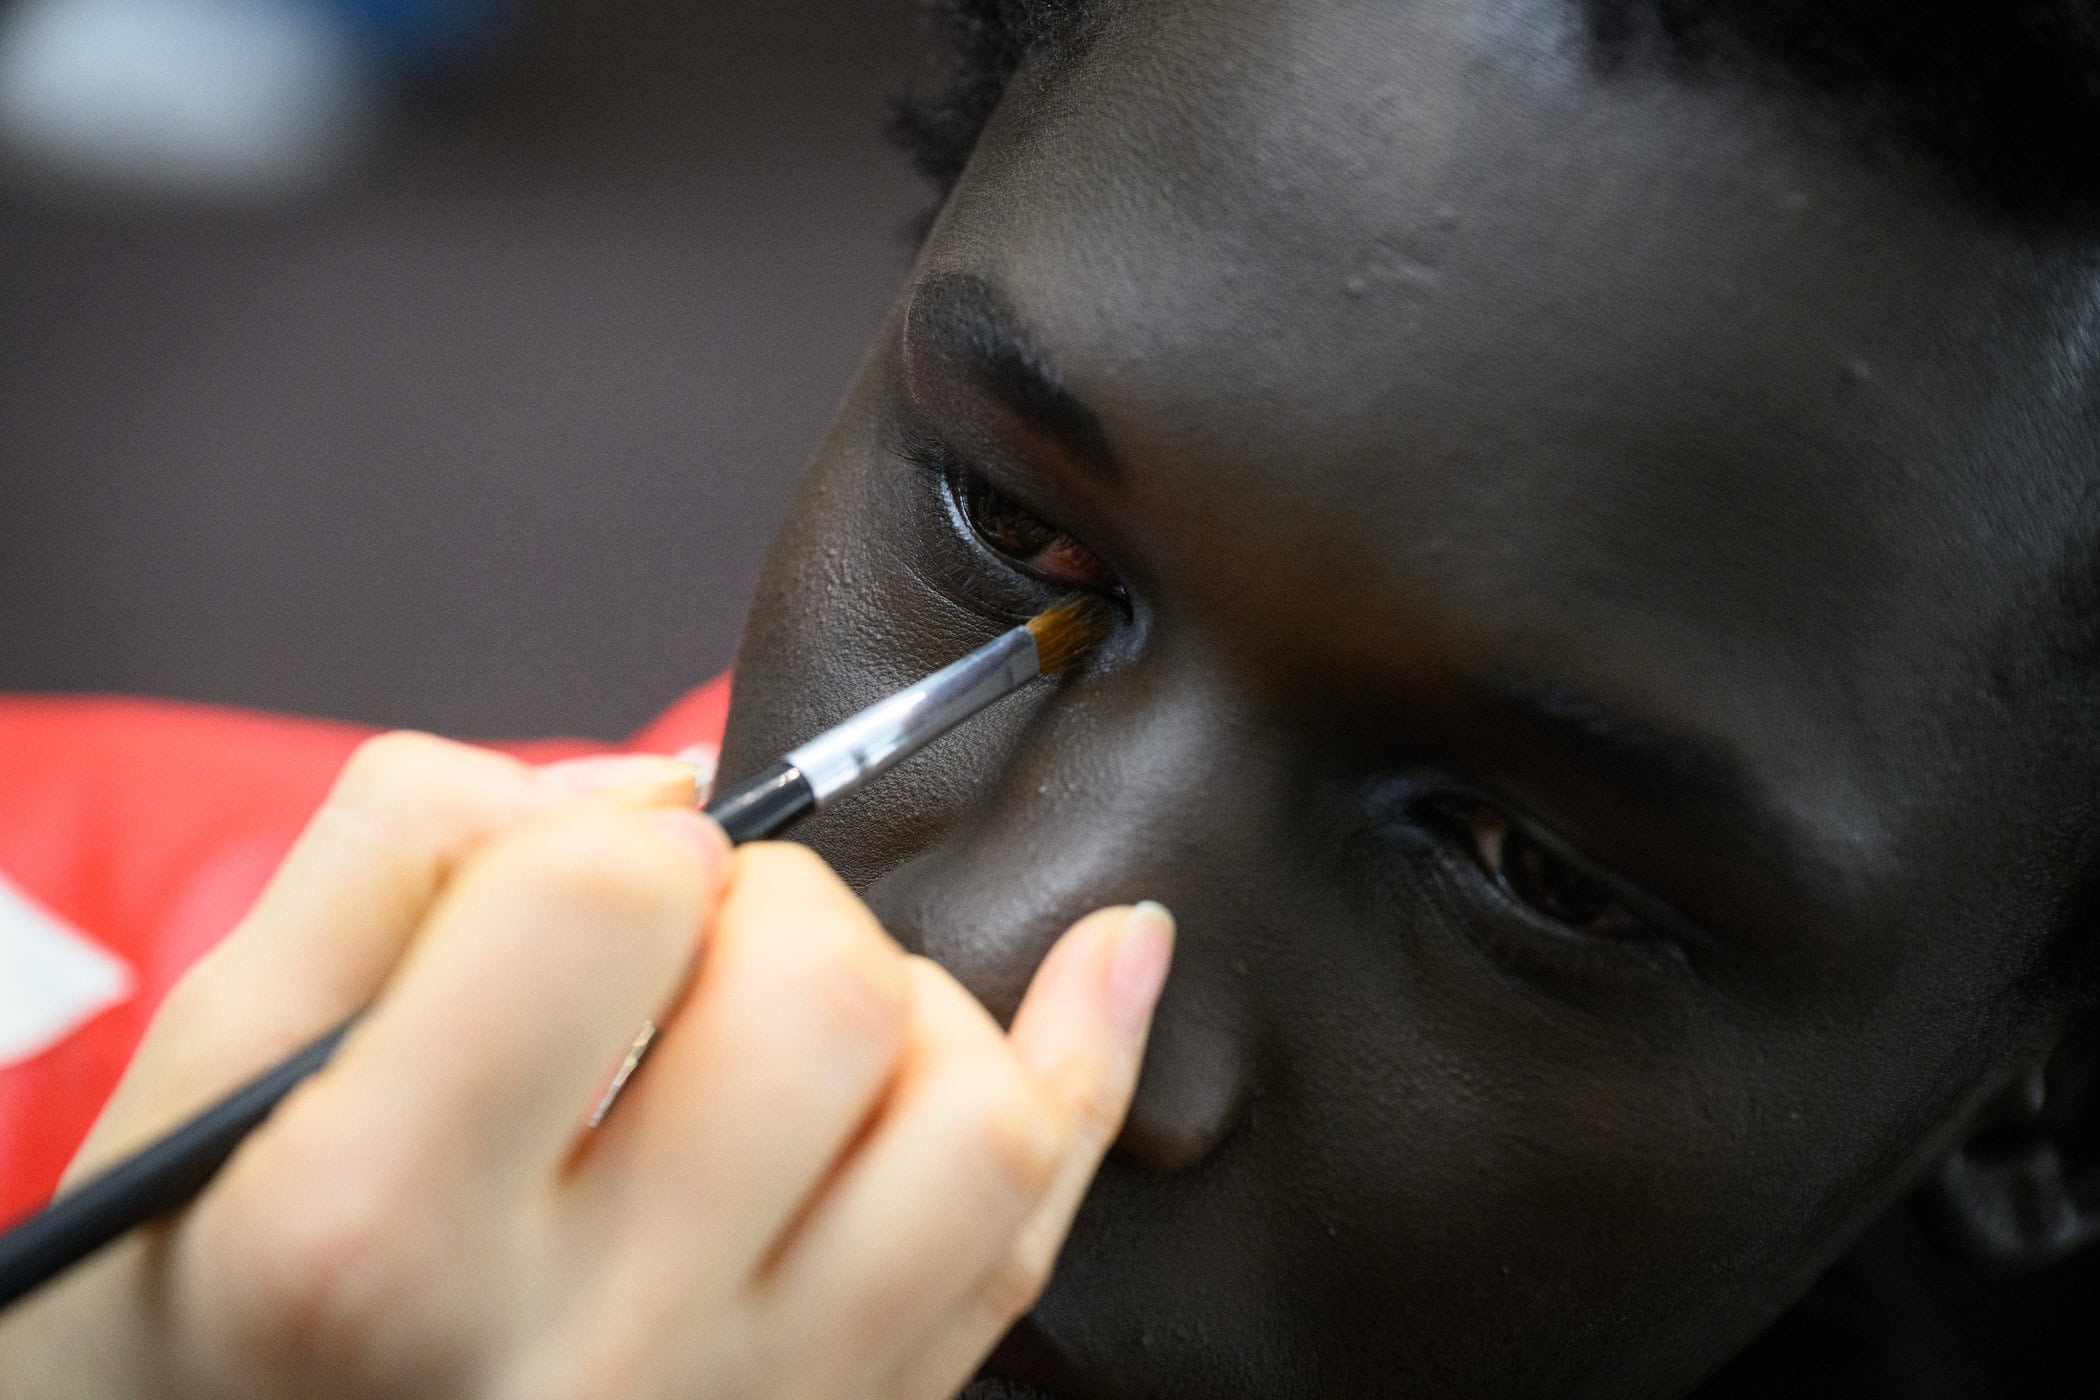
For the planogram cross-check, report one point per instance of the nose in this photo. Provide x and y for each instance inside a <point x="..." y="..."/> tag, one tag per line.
<point x="1130" y="787"/>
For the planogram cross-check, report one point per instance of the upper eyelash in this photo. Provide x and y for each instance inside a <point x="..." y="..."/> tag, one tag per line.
<point x="1512" y="828"/>
<point x="1661" y="928"/>
<point x="928" y="452"/>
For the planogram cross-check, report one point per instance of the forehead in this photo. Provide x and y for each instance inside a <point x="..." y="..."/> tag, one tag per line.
<point x="1666" y="382"/>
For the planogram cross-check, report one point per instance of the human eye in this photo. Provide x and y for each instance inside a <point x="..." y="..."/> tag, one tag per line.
<point x="1021" y="539"/>
<point x="1576" y="918"/>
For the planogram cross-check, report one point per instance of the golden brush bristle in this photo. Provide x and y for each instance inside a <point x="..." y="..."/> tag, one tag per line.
<point x="1066" y="633"/>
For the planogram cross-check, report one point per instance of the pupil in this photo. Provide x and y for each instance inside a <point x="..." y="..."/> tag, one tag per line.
<point x="1004" y="525"/>
<point x="1551" y="886"/>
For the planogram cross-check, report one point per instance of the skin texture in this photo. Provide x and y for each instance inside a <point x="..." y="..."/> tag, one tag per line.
<point x="1477" y="437"/>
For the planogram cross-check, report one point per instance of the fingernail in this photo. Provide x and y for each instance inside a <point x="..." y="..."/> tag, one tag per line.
<point x="1144" y="950"/>
<point x="703" y="832"/>
<point x="616" y="771"/>
<point x="705" y="758"/>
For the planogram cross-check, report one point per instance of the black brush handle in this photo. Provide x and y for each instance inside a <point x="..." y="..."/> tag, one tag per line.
<point x="765" y="806"/>
<point x="169" y="1173"/>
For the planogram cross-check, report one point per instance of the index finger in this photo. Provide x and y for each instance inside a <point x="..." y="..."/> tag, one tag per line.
<point x="334" y="920"/>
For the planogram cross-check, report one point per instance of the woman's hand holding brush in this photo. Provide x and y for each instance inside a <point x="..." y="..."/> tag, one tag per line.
<point x="836" y="1176"/>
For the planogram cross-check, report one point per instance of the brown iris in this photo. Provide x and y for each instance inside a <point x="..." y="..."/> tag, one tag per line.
<point x="1030" y="542"/>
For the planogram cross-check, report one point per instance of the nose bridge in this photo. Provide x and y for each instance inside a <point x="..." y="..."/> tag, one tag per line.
<point x="1090" y="810"/>
<point x="1139" y="786"/>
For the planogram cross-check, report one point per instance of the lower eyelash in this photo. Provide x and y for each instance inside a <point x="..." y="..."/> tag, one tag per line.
<point x="1562" y="958"/>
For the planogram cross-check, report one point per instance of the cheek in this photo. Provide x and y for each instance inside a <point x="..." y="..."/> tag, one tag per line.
<point x="1511" y="1180"/>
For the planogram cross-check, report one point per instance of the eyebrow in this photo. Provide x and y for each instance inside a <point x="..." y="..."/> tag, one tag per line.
<point x="1667" y="766"/>
<point x="964" y="323"/>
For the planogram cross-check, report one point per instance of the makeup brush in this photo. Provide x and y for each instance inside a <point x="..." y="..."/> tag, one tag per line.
<point x="174" y="1169"/>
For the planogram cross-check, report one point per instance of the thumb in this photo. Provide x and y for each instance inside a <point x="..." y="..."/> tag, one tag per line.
<point x="1081" y="1032"/>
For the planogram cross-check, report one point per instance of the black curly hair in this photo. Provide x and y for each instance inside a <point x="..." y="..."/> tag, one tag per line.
<point x="987" y="41"/>
<point x="2004" y="93"/>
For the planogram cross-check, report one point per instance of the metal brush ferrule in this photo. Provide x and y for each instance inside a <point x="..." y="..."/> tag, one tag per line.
<point x="885" y="734"/>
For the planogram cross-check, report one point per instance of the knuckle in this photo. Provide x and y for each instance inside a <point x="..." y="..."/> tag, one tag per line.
<point x="389" y="766"/>
<point x="606" y="1361"/>
<point x="856" y="990"/>
<point x="405" y="781"/>
<point x="601" y="861"/>
<point x="1017" y="1136"/>
<point x="786" y="865"/>
<point x="1016" y="1282"/>
<point x="1098" y="1103"/>
<point x="815" y="937"/>
<point x="319" y="1272"/>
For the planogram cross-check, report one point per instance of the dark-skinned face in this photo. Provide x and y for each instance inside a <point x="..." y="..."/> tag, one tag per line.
<point x="1571" y="531"/>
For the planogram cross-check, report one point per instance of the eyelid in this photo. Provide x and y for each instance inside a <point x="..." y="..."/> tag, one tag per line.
<point x="935" y="452"/>
<point x="1020" y="468"/>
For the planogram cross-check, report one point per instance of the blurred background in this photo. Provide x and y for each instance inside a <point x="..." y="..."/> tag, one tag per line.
<point x="441" y="363"/>
<point x="447" y="363"/>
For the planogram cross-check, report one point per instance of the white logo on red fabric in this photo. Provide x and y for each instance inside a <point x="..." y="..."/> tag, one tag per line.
<point x="52" y="978"/>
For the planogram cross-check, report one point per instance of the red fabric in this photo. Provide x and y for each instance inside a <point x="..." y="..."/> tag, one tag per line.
<point x="148" y="828"/>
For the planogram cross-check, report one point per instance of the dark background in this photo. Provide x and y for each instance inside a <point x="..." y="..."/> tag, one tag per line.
<point x="488" y="440"/>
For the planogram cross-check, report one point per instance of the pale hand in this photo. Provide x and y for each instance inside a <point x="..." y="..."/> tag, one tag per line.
<point x="835" y="1177"/>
